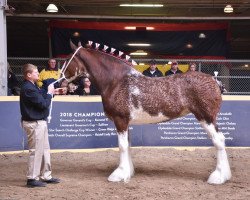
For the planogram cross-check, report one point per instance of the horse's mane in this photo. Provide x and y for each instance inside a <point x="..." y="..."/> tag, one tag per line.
<point x="111" y="52"/>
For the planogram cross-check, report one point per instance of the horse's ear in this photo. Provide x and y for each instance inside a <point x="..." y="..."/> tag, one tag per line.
<point x="73" y="47"/>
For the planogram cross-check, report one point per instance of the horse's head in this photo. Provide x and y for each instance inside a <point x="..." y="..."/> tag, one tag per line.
<point x="105" y="67"/>
<point x="73" y="68"/>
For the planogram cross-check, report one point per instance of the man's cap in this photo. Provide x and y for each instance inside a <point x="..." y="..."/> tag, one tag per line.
<point x="152" y="62"/>
<point x="174" y="62"/>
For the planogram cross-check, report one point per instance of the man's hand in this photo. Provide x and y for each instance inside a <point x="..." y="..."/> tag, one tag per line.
<point x="61" y="91"/>
<point x="51" y="89"/>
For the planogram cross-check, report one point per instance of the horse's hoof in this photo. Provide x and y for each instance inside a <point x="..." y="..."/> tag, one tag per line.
<point x="218" y="178"/>
<point x="114" y="179"/>
<point x="118" y="175"/>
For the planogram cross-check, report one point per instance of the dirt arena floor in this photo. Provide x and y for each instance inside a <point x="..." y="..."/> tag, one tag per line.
<point x="164" y="173"/>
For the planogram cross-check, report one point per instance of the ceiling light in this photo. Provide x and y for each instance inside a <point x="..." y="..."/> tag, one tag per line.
<point x="141" y="64"/>
<point x="130" y="27"/>
<point x="139" y="53"/>
<point x="52" y="8"/>
<point x="76" y="34"/>
<point x="202" y="35"/>
<point x="189" y="46"/>
<point x="148" y="28"/>
<point x="228" y="9"/>
<point x="139" y="44"/>
<point x="246" y="65"/>
<point x="142" y="5"/>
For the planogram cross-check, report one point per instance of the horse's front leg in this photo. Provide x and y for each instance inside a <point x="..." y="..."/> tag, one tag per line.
<point x="125" y="170"/>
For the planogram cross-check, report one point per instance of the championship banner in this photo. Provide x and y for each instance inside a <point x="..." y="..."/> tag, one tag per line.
<point x="80" y="123"/>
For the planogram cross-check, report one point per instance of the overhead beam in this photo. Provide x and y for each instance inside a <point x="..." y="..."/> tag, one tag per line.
<point x="55" y="16"/>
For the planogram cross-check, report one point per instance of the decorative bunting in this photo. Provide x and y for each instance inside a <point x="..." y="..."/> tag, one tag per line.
<point x="120" y="53"/>
<point x="112" y="50"/>
<point x="105" y="47"/>
<point x="133" y="62"/>
<point x="90" y="42"/>
<point x="97" y="45"/>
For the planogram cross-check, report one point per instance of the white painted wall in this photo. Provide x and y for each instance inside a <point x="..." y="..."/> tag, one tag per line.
<point x="3" y="49"/>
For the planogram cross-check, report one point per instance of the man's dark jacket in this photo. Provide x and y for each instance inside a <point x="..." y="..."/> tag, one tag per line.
<point x="157" y="73"/>
<point x="34" y="105"/>
<point x="169" y="72"/>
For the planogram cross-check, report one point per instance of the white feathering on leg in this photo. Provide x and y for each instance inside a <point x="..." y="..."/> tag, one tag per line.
<point x="222" y="172"/>
<point x="125" y="169"/>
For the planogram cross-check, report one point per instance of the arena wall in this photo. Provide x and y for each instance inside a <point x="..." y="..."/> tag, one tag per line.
<point x="80" y="123"/>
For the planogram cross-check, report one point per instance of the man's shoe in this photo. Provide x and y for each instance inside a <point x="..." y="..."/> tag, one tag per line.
<point x="35" y="183"/>
<point x="52" y="180"/>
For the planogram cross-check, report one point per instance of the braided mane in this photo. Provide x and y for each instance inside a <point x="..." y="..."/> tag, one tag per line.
<point x="112" y="52"/>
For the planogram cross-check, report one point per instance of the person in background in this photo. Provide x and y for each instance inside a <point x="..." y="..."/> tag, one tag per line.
<point x="13" y="88"/>
<point x="48" y="75"/>
<point x="72" y="87"/>
<point x="84" y="87"/>
<point x="34" y="107"/>
<point x="192" y="67"/>
<point x="63" y="89"/>
<point x="81" y="87"/>
<point x="152" y="71"/>
<point x="174" y="69"/>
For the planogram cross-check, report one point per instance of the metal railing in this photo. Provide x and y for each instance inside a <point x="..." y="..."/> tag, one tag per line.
<point x="234" y="74"/>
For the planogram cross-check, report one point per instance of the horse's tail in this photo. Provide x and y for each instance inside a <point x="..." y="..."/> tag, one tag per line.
<point x="221" y="86"/>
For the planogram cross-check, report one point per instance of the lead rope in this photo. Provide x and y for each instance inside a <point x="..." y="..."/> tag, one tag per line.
<point x="63" y="77"/>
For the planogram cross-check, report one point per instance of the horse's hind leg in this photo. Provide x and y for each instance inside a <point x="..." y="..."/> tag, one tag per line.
<point x="222" y="172"/>
<point x="125" y="170"/>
